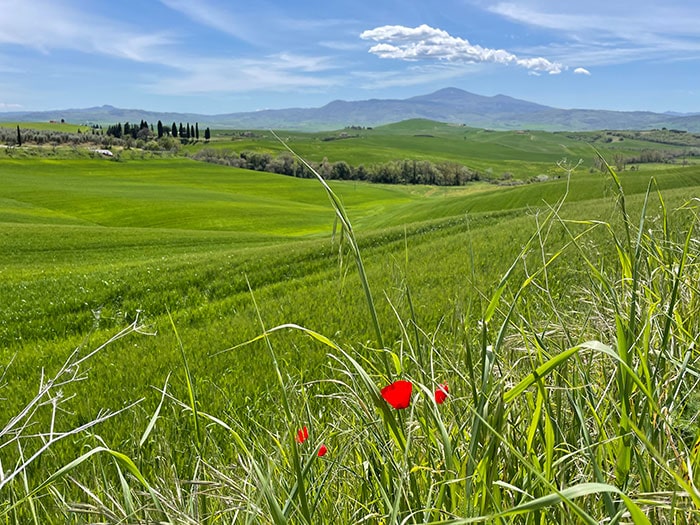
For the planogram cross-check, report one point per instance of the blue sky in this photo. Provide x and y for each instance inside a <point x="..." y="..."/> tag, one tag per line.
<point x="216" y="56"/>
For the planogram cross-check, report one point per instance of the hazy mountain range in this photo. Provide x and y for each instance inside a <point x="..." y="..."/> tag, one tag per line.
<point x="450" y="105"/>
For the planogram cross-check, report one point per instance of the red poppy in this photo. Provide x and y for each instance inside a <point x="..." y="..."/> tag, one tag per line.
<point x="322" y="451"/>
<point x="441" y="393"/>
<point x="302" y="434"/>
<point x="398" y="394"/>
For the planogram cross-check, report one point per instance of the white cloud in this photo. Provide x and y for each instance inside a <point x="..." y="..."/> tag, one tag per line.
<point x="341" y="45"/>
<point x="582" y="71"/>
<point x="309" y="64"/>
<point x="625" y="18"/>
<point x="427" y="43"/>
<point x="260" y="24"/>
<point x="6" y="106"/>
<point x="624" y="31"/>
<point x="413" y="76"/>
<point x="66" y="27"/>
<point x="205" y="13"/>
<point x="281" y="72"/>
<point x="56" y="25"/>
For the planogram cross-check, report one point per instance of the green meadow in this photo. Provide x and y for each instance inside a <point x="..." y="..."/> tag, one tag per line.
<point x="523" y="153"/>
<point x="47" y="126"/>
<point x="563" y="315"/>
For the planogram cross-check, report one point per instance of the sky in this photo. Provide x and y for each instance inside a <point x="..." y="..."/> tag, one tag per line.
<point x="217" y="56"/>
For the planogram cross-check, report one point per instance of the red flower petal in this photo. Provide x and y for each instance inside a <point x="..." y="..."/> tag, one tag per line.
<point x="398" y="394"/>
<point x="322" y="451"/>
<point x="302" y="434"/>
<point x="441" y="393"/>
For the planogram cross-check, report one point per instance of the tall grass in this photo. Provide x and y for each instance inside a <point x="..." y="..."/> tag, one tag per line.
<point x="554" y="415"/>
<point x="25" y="439"/>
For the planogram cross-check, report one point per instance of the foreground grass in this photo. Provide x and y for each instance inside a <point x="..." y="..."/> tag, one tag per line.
<point x="566" y="335"/>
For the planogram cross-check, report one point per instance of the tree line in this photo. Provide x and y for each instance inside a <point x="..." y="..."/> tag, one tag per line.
<point x="408" y="171"/>
<point x="141" y="135"/>
<point x="20" y="136"/>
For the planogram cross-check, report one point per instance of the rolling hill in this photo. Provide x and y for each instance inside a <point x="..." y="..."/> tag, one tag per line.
<point x="451" y="105"/>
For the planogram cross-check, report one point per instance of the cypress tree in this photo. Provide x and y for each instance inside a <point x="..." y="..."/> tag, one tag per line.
<point x="207" y="134"/>
<point x="160" y="129"/>
<point x="174" y="130"/>
<point x="19" y="136"/>
<point x="196" y="130"/>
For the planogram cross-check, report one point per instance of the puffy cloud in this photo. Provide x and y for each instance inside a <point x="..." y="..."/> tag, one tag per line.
<point x="428" y="43"/>
<point x="582" y="71"/>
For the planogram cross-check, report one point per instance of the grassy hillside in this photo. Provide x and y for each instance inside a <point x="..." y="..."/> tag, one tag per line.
<point x="91" y="245"/>
<point x="88" y="235"/>
<point x="523" y="153"/>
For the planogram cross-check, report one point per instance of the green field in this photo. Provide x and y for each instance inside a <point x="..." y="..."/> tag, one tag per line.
<point x="523" y="153"/>
<point x="64" y="127"/>
<point x="207" y="257"/>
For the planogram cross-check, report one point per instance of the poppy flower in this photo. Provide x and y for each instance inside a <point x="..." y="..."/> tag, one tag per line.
<point x="398" y="394"/>
<point x="441" y="393"/>
<point x="302" y="434"/>
<point x="322" y="451"/>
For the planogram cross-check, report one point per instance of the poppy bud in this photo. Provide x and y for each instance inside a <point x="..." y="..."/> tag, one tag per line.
<point x="441" y="393"/>
<point x="302" y="434"/>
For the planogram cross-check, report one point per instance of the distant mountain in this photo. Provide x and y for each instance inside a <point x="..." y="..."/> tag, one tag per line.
<point x="449" y="105"/>
<point x="101" y="115"/>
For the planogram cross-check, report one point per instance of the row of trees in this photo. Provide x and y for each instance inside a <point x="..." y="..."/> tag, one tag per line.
<point x="140" y="131"/>
<point x="393" y="172"/>
<point x="145" y="131"/>
<point x="94" y="138"/>
<point x="126" y="135"/>
<point x="648" y="156"/>
<point x="20" y="136"/>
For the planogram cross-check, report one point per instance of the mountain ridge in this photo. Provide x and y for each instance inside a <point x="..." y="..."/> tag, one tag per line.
<point x="450" y="105"/>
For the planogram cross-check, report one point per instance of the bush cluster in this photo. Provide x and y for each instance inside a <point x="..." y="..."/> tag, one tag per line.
<point x="40" y="137"/>
<point x="145" y="139"/>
